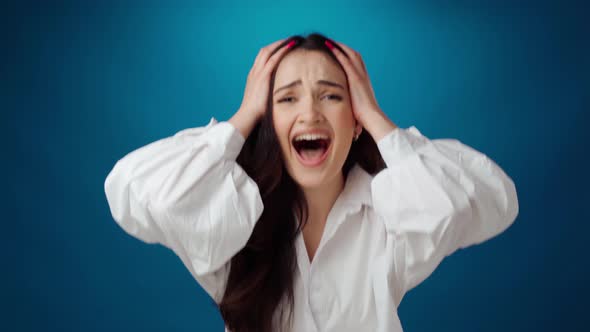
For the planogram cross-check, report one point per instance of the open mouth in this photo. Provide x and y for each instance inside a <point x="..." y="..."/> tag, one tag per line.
<point x="312" y="152"/>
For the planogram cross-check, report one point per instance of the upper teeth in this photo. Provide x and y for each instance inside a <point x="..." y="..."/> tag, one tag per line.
<point x="310" y="137"/>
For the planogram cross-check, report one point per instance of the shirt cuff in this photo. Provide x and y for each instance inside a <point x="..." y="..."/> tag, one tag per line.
<point x="400" y="143"/>
<point x="228" y="136"/>
<point x="222" y="135"/>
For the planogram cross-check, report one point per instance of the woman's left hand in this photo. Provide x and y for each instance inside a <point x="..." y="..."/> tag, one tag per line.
<point x="364" y="104"/>
<point x="361" y="92"/>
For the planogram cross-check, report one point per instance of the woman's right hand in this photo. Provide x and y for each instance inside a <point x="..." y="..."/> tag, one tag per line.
<point x="257" y="85"/>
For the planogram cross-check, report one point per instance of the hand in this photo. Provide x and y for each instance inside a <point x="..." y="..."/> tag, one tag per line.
<point x="258" y="82"/>
<point x="361" y="92"/>
<point x="364" y="105"/>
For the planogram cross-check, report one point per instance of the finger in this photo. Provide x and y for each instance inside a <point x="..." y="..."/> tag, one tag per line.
<point x="275" y="58"/>
<point x="354" y="56"/>
<point x="264" y="53"/>
<point x="349" y="68"/>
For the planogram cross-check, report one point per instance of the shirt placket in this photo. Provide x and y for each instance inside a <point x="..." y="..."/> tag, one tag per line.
<point x="304" y="269"/>
<point x="318" y="301"/>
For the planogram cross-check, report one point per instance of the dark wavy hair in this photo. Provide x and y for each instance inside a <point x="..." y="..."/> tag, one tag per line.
<point x="261" y="273"/>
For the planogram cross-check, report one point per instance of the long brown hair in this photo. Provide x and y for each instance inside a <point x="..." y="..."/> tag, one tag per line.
<point x="261" y="273"/>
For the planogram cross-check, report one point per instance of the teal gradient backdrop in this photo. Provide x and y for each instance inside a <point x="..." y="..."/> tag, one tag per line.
<point x="82" y="85"/>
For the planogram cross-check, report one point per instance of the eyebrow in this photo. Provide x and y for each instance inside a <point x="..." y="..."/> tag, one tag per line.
<point x="321" y="82"/>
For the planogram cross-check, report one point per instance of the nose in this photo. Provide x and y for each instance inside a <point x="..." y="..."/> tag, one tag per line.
<point x="310" y="114"/>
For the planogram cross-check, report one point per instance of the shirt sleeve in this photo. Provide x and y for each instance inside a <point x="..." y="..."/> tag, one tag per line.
<point x="437" y="196"/>
<point x="188" y="193"/>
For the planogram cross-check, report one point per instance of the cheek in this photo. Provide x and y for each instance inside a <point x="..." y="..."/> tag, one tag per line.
<point x="281" y="126"/>
<point x="343" y="119"/>
<point x="278" y="122"/>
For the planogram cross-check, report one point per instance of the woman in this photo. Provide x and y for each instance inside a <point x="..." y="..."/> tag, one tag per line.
<point x="309" y="209"/>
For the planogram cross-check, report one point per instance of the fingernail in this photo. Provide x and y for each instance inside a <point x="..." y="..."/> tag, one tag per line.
<point x="291" y="43"/>
<point x="329" y="44"/>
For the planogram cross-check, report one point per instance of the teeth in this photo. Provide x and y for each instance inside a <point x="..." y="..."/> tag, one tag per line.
<point x="310" y="137"/>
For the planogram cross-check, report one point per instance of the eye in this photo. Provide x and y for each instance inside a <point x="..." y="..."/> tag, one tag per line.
<point x="284" y="99"/>
<point x="334" y="97"/>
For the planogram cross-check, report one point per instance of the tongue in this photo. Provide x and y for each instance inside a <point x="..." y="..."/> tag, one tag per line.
<point x="312" y="155"/>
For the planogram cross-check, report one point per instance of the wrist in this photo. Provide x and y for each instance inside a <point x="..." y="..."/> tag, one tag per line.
<point x="244" y="120"/>
<point x="378" y="124"/>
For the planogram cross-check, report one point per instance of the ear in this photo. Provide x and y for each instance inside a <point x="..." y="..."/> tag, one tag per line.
<point x="358" y="128"/>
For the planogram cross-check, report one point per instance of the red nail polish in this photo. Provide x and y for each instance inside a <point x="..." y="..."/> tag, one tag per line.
<point x="291" y="43"/>
<point x="329" y="44"/>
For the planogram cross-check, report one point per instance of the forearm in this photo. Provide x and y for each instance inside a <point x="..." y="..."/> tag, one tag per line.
<point x="244" y="121"/>
<point x="378" y="124"/>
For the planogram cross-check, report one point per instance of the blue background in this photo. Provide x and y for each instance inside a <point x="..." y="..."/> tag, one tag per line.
<point x="82" y="85"/>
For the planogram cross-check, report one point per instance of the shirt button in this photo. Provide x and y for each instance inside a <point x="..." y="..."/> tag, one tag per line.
<point x="317" y="295"/>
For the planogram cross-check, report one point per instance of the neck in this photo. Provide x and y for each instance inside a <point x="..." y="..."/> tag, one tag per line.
<point x="321" y="199"/>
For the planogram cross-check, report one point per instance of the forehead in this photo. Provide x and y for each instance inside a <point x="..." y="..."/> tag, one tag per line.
<point x="308" y="65"/>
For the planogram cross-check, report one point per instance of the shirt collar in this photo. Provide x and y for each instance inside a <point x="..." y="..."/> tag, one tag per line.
<point x="356" y="192"/>
<point x="357" y="189"/>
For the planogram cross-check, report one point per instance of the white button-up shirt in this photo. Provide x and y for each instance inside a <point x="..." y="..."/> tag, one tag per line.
<point x="383" y="236"/>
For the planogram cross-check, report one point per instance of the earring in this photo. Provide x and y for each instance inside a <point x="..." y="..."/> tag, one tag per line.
<point x="356" y="137"/>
